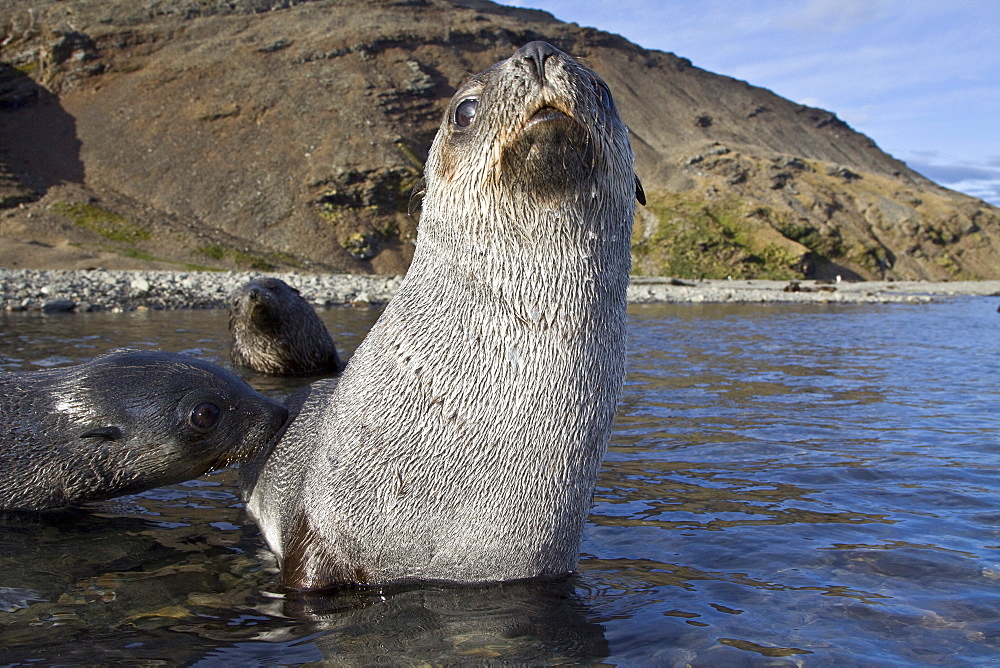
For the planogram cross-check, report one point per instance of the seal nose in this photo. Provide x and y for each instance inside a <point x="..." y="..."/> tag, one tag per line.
<point x="538" y="53"/>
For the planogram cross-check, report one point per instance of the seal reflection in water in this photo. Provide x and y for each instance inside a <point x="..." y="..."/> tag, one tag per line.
<point x="275" y="331"/>
<point x="124" y="422"/>
<point x="463" y="441"/>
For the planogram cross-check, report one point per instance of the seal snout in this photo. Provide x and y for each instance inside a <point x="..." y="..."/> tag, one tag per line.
<point x="256" y="296"/>
<point x="536" y="53"/>
<point x="278" y="419"/>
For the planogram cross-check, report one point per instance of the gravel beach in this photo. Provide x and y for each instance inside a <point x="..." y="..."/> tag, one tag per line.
<point x="96" y="290"/>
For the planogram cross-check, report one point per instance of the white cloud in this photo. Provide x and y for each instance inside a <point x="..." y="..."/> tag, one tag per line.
<point x="988" y="191"/>
<point x="956" y="173"/>
<point x="834" y="15"/>
<point x="977" y="178"/>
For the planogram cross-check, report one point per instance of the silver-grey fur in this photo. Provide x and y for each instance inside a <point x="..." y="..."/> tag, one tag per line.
<point x="463" y="441"/>
<point x="124" y="422"/>
<point x="275" y="331"/>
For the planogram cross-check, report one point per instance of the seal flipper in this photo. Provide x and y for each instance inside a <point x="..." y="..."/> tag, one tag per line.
<point x="308" y="564"/>
<point x="640" y="194"/>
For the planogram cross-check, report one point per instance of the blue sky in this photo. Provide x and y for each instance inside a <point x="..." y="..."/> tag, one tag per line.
<point x="920" y="77"/>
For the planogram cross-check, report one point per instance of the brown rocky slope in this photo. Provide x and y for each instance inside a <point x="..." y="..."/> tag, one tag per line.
<point x="280" y="134"/>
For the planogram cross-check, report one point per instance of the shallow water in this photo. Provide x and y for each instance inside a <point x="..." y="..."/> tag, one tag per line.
<point x="787" y="484"/>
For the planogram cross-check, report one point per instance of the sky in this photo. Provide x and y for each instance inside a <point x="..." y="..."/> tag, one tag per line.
<point x="919" y="77"/>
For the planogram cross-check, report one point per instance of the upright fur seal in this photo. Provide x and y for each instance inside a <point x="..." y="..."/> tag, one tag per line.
<point x="124" y="422"/>
<point x="463" y="441"/>
<point x="274" y="330"/>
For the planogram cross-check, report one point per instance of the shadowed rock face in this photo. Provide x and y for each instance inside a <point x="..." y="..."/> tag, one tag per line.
<point x="262" y="134"/>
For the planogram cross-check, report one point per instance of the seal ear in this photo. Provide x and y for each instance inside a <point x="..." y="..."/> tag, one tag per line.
<point x="640" y="194"/>
<point x="416" y="196"/>
<point x="107" y="433"/>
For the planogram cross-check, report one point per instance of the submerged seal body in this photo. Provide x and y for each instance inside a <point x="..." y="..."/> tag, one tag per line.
<point x="463" y="441"/>
<point x="275" y="331"/>
<point x="124" y="422"/>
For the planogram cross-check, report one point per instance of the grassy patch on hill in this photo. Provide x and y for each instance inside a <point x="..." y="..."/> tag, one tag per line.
<point x="100" y="221"/>
<point x="243" y="258"/>
<point x="696" y="238"/>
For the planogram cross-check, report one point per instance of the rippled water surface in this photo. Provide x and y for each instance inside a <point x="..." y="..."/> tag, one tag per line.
<point x="809" y="485"/>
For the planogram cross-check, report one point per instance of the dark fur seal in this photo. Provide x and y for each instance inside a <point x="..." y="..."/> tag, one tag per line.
<point x="124" y="422"/>
<point x="274" y="330"/>
<point x="463" y="441"/>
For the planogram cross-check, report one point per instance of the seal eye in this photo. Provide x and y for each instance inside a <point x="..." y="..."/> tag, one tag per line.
<point x="205" y="416"/>
<point x="465" y="112"/>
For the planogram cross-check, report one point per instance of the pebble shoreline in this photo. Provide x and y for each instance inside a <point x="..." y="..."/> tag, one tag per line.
<point x="104" y="290"/>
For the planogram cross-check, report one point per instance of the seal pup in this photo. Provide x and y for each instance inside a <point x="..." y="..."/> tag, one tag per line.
<point x="275" y="331"/>
<point x="124" y="422"/>
<point x="463" y="440"/>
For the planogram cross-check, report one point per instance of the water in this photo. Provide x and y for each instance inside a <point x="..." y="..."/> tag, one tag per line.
<point x="787" y="485"/>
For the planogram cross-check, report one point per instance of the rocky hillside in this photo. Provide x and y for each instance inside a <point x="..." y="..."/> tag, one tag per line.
<point x="287" y="134"/>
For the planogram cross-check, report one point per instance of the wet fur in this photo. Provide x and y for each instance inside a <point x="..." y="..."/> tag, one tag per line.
<point x="119" y="425"/>
<point x="463" y="441"/>
<point x="275" y="331"/>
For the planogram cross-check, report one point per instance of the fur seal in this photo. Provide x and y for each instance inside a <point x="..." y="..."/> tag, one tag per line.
<point x="275" y="331"/>
<point x="124" y="422"/>
<point x="463" y="441"/>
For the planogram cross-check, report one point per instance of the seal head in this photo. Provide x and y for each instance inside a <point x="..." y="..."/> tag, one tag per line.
<point x="275" y="331"/>
<point x="122" y="423"/>
<point x="463" y="441"/>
